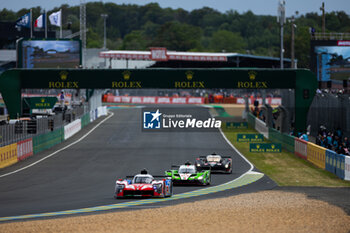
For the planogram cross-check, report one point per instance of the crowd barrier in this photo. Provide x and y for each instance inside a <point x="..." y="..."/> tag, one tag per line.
<point x="331" y="162"/>
<point x="23" y="149"/>
<point x="8" y="155"/>
<point x="347" y="168"/>
<point x="153" y="100"/>
<point x="317" y="155"/>
<point x="300" y="148"/>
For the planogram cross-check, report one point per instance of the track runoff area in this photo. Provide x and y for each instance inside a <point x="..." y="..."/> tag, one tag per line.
<point x="80" y="176"/>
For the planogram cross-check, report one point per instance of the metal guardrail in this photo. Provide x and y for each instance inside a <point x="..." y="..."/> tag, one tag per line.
<point x="24" y="129"/>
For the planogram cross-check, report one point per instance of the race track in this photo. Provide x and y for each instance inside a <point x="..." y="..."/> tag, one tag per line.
<point x="84" y="174"/>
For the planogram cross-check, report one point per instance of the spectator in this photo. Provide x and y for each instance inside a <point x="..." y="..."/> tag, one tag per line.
<point x="341" y="149"/>
<point x="62" y="98"/>
<point x="347" y="142"/>
<point x="329" y="141"/>
<point x="305" y="136"/>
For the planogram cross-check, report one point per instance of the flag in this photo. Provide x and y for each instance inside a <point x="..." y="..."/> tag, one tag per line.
<point x="40" y="21"/>
<point x="24" y="21"/>
<point x="55" y="18"/>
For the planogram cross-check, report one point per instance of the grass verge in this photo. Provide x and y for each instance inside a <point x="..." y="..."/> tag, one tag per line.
<point x="285" y="168"/>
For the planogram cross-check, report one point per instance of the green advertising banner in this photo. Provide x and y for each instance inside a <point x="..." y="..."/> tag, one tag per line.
<point x="250" y="137"/>
<point x="40" y="102"/>
<point x="236" y="125"/>
<point x="265" y="148"/>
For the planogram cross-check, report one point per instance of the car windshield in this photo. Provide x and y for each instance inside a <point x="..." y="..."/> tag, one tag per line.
<point x="211" y="158"/>
<point x="142" y="180"/>
<point x="190" y="170"/>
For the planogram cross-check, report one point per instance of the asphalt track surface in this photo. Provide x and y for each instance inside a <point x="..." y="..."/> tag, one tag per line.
<point x="84" y="174"/>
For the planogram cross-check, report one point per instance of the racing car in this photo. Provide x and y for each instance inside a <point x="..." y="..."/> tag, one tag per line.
<point x="189" y="174"/>
<point x="144" y="185"/>
<point x="216" y="162"/>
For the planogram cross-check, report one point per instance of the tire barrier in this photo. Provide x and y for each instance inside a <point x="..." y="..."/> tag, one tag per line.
<point x="8" y="155"/>
<point x="24" y="149"/>
<point x="317" y="155"/>
<point x="300" y="148"/>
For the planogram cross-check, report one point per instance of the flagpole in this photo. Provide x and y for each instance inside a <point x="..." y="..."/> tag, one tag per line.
<point x="45" y="21"/>
<point x="31" y="23"/>
<point x="61" y="23"/>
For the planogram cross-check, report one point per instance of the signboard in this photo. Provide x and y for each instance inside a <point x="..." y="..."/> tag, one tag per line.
<point x="40" y="102"/>
<point x="159" y="54"/>
<point x="265" y="148"/>
<point x="237" y="125"/>
<point x="49" y="53"/>
<point x="250" y="138"/>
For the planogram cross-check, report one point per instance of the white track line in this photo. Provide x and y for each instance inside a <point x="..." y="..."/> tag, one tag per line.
<point x="57" y="151"/>
<point x="233" y="147"/>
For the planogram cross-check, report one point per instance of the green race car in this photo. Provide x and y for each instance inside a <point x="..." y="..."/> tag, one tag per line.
<point x="189" y="175"/>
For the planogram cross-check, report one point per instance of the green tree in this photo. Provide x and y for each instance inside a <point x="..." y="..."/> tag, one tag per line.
<point x="134" y="41"/>
<point x="227" y="41"/>
<point x="178" y="36"/>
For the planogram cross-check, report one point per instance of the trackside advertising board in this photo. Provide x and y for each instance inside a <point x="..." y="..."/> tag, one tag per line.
<point x="250" y="138"/>
<point x="24" y="149"/>
<point x="237" y="125"/>
<point x="347" y="168"/>
<point x="154" y="100"/>
<point x="265" y="148"/>
<point x="8" y="155"/>
<point x="72" y="128"/>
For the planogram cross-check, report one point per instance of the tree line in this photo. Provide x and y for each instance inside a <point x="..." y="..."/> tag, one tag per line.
<point x="134" y="27"/>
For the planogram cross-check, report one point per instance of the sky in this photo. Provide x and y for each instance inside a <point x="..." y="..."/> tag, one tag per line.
<point x="259" y="7"/>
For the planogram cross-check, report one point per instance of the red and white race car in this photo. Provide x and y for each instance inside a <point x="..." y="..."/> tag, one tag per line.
<point x="144" y="185"/>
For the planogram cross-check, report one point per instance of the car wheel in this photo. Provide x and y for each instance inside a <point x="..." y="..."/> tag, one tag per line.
<point x="171" y="189"/>
<point x="208" y="180"/>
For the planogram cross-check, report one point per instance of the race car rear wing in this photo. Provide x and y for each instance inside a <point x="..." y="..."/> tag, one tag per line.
<point x="155" y="177"/>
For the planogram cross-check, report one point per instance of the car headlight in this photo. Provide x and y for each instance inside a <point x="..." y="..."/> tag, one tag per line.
<point x="226" y="166"/>
<point x="119" y="188"/>
<point x="198" y="165"/>
<point x="200" y="178"/>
